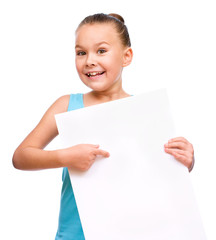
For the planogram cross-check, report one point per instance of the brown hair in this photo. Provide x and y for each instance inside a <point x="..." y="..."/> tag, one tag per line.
<point x="113" y="18"/>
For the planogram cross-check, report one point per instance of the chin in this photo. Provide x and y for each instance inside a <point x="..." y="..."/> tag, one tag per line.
<point x="98" y="87"/>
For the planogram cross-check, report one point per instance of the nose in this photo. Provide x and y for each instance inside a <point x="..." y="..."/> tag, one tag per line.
<point x="90" y="60"/>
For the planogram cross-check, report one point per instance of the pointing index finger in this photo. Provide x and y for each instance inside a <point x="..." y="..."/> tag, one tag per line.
<point x="102" y="152"/>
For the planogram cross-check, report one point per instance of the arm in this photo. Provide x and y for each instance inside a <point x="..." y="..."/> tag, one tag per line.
<point x="30" y="154"/>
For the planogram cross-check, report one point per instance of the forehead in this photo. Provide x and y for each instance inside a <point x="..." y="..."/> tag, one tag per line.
<point x="97" y="32"/>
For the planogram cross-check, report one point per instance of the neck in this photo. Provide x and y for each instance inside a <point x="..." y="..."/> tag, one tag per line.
<point x="109" y="96"/>
<point x="114" y="92"/>
<point x="96" y="97"/>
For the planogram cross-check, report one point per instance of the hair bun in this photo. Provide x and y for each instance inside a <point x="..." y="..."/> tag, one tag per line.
<point x="115" y="15"/>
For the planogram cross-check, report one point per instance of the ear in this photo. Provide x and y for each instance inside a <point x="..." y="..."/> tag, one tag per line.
<point x="128" y="56"/>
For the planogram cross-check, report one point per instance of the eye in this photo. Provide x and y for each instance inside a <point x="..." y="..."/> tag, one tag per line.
<point x="81" y="53"/>
<point x="101" y="51"/>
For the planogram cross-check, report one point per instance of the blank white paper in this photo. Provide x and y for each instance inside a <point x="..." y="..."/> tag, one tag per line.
<point x="139" y="192"/>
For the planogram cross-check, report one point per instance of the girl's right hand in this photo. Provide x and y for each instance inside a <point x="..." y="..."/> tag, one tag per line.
<point x="81" y="156"/>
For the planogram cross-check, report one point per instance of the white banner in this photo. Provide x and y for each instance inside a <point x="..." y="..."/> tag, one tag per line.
<point x="139" y="192"/>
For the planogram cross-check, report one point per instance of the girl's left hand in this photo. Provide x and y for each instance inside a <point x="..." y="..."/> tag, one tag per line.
<point x="181" y="150"/>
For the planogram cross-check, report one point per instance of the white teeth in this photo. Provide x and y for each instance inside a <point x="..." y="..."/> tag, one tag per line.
<point x="93" y="73"/>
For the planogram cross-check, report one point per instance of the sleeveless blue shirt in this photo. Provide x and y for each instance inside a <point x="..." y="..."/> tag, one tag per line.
<point x="69" y="227"/>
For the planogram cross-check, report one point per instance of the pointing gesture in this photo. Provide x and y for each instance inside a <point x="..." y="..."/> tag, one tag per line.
<point x="81" y="156"/>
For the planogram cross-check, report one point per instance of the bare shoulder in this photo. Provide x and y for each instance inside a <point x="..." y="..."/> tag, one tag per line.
<point x="48" y="122"/>
<point x="46" y="129"/>
<point x="60" y="105"/>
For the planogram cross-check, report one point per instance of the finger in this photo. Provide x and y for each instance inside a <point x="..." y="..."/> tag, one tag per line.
<point x="93" y="145"/>
<point x="179" y="145"/>
<point x="87" y="167"/>
<point x="180" y="155"/>
<point x="187" y="154"/>
<point x="172" y="151"/>
<point x="102" y="152"/>
<point x="178" y="139"/>
<point x="181" y="158"/>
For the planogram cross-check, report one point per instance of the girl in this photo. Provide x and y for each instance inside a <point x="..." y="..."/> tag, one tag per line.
<point x="103" y="49"/>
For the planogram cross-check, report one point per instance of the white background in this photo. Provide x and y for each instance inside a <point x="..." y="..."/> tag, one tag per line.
<point x="174" y="47"/>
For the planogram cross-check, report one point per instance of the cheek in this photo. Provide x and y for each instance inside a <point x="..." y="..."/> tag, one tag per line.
<point x="111" y="64"/>
<point x="115" y="69"/>
<point x="116" y="61"/>
<point x="78" y="65"/>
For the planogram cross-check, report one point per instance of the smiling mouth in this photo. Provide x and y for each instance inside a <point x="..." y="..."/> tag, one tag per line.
<point x="93" y="74"/>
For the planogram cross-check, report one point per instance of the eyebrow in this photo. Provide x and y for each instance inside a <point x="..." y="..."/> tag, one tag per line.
<point x="97" y="44"/>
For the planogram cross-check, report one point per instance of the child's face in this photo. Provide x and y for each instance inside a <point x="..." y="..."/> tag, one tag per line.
<point x="99" y="56"/>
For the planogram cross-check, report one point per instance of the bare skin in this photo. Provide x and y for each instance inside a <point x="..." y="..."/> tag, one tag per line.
<point x="31" y="156"/>
<point x="182" y="150"/>
<point x="94" y="53"/>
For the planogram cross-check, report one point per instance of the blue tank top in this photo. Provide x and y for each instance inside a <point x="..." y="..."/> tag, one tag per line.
<point x="69" y="227"/>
